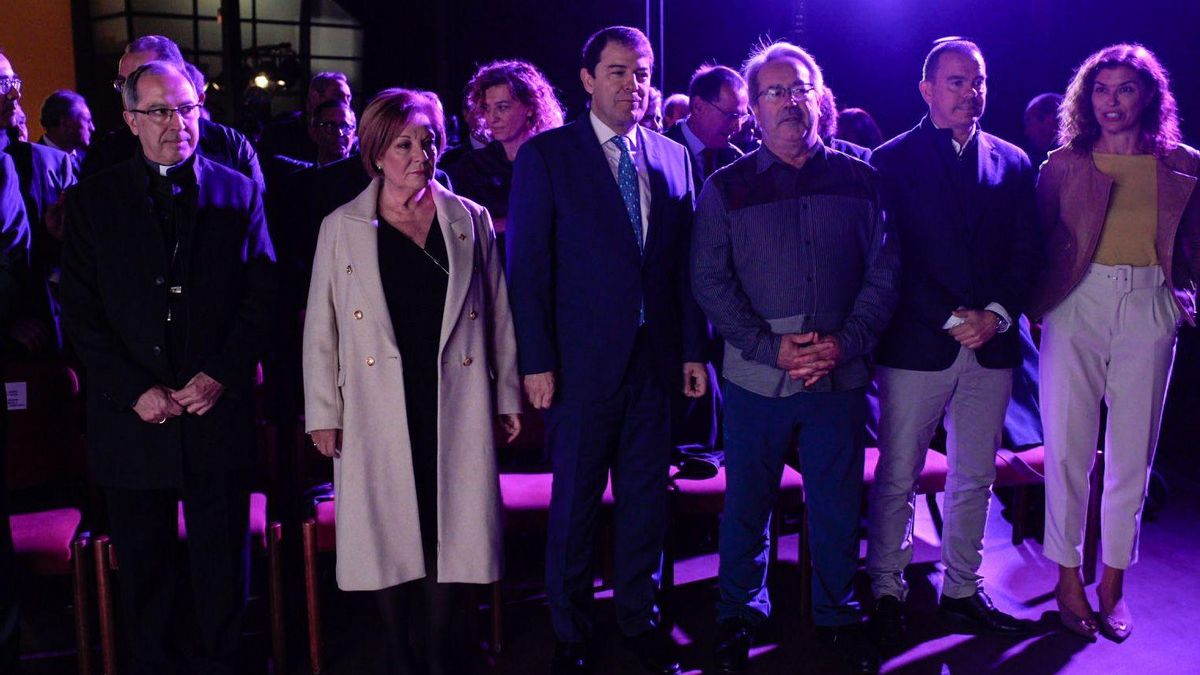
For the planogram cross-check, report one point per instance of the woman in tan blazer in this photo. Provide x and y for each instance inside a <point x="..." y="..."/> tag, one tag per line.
<point x="409" y="362"/>
<point x="1122" y="218"/>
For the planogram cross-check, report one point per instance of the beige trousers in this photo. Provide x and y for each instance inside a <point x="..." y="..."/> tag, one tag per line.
<point x="1111" y="339"/>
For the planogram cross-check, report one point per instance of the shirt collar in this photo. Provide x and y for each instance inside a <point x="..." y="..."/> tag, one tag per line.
<point x="958" y="147"/>
<point x="50" y="143"/>
<point x="693" y="141"/>
<point x="605" y="134"/>
<point x="765" y="158"/>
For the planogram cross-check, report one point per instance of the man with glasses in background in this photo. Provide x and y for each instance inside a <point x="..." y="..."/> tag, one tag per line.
<point x="43" y="174"/>
<point x="168" y="286"/>
<point x="217" y="142"/>
<point x="792" y="265"/>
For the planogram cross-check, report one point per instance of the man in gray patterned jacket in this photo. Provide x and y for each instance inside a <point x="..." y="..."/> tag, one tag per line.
<point x="792" y="263"/>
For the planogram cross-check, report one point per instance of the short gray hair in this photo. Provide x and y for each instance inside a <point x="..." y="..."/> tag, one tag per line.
<point x="59" y="105"/>
<point x="129" y="93"/>
<point x="765" y="53"/>
<point x="163" y="48"/>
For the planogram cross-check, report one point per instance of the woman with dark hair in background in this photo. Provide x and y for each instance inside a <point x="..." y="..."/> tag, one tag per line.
<point x="857" y="126"/>
<point x="1122" y="220"/>
<point x="409" y="363"/>
<point x="514" y="102"/>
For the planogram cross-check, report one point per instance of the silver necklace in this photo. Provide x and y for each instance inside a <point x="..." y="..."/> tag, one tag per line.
<point x="435" y="260"/>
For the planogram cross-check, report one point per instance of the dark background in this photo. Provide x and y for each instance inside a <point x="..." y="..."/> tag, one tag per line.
<point x="870" y="50"/>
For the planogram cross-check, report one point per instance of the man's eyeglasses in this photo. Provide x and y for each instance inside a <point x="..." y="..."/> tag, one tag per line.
<point x="164" y="115"/>
<point x="7" y="84"/>
<point x="339" y="128"/>
<point x="731" y="116"/>
<point x="118" y="84"/>
<point x="778" y="92"/>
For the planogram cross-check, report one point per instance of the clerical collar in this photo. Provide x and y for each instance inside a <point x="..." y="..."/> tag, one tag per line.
<point x="165" y="170"/>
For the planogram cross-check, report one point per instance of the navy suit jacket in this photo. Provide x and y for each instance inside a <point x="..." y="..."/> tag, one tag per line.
<point x="576" y="279"/>
<point x="725" y="156"/>
<point x="962" y="244"/>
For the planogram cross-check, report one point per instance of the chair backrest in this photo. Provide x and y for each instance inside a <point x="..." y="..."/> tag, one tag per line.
<point x="44" y="443"/>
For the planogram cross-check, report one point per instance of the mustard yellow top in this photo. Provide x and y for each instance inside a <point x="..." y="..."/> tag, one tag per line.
<point x="1132" y="220"/>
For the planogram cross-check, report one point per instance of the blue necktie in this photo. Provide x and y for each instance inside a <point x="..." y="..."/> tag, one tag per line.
<point x="627" y="180"/>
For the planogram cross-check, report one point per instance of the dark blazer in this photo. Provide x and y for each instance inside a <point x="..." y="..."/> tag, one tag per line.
<point x="967" y="238"/>
<point x="114" y="310"/>
<point x="576" y="279"/>
<point x="725" y="156"/>
<point x="14" y="241"/>
<point x="44" y="174"/>
<point x="218" y="143"/>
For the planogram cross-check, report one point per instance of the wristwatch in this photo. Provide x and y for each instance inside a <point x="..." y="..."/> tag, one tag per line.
<point x="1002" y="324"/>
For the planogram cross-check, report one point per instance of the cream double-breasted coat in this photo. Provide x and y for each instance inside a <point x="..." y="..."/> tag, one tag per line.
<point x="353" y="381"/>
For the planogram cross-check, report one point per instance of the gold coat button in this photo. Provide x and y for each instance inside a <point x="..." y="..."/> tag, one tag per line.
<point x="468" y="361"/>
<point x="358" y="314"/>
<point x="370" y="360"/>
<point x="349" y="269"/>
<point x="461" y="236"/>
<point x="473" y="314"/>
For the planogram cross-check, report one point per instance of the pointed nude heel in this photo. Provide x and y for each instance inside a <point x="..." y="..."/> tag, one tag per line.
<point x="1083" y="626"/>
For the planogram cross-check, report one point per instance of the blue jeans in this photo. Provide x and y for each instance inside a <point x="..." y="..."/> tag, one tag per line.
<point x="759" y="434"/>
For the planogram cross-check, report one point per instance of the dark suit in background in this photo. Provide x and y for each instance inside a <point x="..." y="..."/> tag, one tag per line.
<point x="140" y="317"/>
<point x="577" y="286"/>
<point x="44" y="174"/>
<point x="14" y="251"/>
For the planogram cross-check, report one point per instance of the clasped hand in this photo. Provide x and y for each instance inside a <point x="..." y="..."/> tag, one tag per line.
<point x="808" y="356"/>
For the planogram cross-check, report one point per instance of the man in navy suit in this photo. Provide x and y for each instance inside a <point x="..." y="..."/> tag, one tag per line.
<point x="598" y="234"/>
<point x="962" y="204"/>
<point x="44" y="173"/>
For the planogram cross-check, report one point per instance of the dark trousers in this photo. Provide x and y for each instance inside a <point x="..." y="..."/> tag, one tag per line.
<point x="152" y="571"/>
<point x="629" y="433"/>
<point x="9" y="617"/>
<point x="828" y="427"/>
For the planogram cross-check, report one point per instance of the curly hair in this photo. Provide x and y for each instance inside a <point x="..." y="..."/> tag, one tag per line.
<point x="1077" y="125"/>
<point x="526" y="83"/>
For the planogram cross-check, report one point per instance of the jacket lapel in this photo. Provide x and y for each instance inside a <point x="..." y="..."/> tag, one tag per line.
<point x="144" y="229"/>
<point x="658" y="190"/>
<point x="1174" y="191"/>
<point x="459" y="233"/>
<point x="610" y="205"/>
<point x="361" y="237"/>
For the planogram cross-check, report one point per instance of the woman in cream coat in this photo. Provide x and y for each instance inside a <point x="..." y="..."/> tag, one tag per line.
<point x="418" y="501"/>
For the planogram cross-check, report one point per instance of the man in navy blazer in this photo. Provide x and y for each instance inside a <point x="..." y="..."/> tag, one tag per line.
<point x="607" y="329"/>
<point x="962" y="204"/>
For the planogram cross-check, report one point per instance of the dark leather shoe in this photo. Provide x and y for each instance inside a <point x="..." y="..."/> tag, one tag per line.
<point x="976" y="613"/>
<point x="656" y="650"/>
<point x="571" y="658"/>
<point x="852" y="643"/>
<point x="888" y="621"/>
<point x="734" y="639"/>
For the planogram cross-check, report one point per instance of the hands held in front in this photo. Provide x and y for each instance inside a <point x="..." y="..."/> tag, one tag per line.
<point x="156" y="405"/>
<point x="328" y="442"/>
<point x="810" y="356"/>
<point x="979" y="326"/>
<point x="695" y="379"/>
<point x="539" y="387"/>
<point x="200" y="394"/>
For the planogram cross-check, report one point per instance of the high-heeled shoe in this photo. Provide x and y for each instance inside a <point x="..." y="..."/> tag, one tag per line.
<point x="1083" y="626"/>
<point x="1116" y="624"/>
